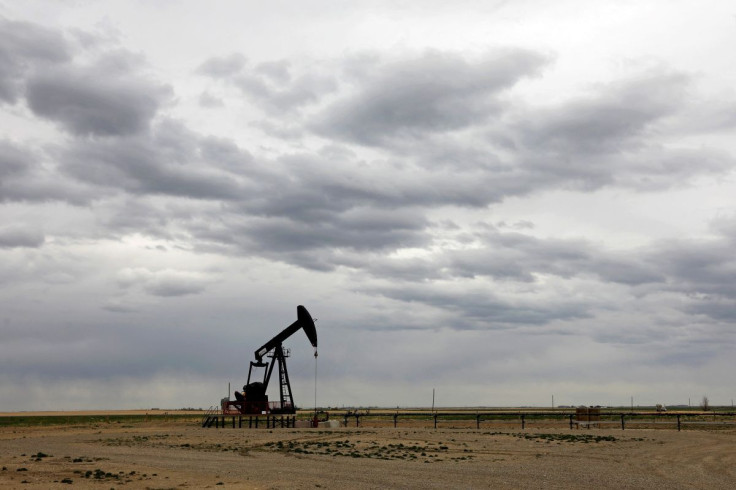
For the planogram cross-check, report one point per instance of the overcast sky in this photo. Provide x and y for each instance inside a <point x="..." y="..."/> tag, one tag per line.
<point x="503" y="201"/>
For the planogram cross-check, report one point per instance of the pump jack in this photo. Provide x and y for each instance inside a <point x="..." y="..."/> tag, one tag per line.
<point x="253" y="399"/>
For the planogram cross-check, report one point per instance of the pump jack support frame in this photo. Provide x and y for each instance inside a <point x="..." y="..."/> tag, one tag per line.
<point x="286" y="398"/>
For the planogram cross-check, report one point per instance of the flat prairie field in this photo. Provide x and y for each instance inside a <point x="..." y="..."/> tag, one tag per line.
<point x="174" y="453"/>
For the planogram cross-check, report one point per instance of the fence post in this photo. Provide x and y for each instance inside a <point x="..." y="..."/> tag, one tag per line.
<point x="396" y="416"/>
<point x="435" y="421"/>
<point x="678" y="422"/>
<point x="570" y="421"/>
<point x="523" y="422"/>
<point x="622" y="421"/>
<point x="477" y="421"/>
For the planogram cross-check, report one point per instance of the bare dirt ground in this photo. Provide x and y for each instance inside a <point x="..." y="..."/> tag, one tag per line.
<point x="179" y="454"/>
<point x="72" y="413"/>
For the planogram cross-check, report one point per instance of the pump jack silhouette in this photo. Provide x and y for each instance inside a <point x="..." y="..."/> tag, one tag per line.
<point x="253" y="399"/>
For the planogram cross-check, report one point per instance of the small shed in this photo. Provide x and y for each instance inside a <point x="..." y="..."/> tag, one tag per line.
<point x="587" y="416"/>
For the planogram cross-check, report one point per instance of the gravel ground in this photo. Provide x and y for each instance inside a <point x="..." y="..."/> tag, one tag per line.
<point x="175" y="455"/>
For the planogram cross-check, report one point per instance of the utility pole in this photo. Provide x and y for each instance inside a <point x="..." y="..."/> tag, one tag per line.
<point x="553" y="401"/>
<point x="432" y="400"/>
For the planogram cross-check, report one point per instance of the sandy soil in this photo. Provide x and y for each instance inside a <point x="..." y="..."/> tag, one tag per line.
<point x="178" y="454"/>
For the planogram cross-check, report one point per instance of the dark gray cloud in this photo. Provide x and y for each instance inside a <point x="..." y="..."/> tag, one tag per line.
<point x="517" y="255"/>
<point x="609" y="137"/>
<point x="334" y="182"/>
<point x="93" y="101"/>
<point x="23" y="46"/>
<point x="14" y="161"/>
<point x="610" y="119"/>
<point x="318" y="243"/>
<point x="223" y="153"/>
<point x="26" y="176"/>
<point x="715" y="309"/>
<point x="438" y="91"/>
<point x="326" y="209"/>
<point x="319" y="188"/>
<point x="20" y="236"/>
<point x="514" y="257"/>
<point x="306" y="210"/>
<point x="109" y="96"/>
<point x="700" y="269"/>
<point x="700" y="272"/>
<point x="356" y="229"/>
<point x="167" y="161"/>
<point x="137" y="214"/>
<point x="482" y="309"/>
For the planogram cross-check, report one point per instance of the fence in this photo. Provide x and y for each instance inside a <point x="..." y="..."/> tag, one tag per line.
<point x="586" y="418"/>
<point x="469" y="419"/>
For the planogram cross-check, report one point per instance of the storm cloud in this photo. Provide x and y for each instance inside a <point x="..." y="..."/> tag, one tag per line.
<point x="434" y="91"/>
<point x="23" y="46"/>
<point x="87" y="103"/>
<point x="491" y="204"/>
<point x="12" y="237"/>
